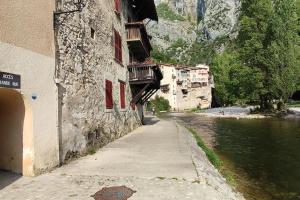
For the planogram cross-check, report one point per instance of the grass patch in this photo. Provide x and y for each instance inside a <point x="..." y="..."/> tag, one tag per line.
<point x="211" y="155"/>
<point x="214" y="159"/>
<point x="295" y="104"/>
<point x="165" y="12"/>
<point x="91" y="151"/>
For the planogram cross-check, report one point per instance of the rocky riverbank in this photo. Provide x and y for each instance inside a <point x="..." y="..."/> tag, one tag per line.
<point x="231" y="112"/>
<point x="236" y="112"/>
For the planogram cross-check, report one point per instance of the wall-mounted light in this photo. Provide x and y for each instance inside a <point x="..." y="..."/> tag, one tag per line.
<point x="34" y="96"/>
<point x="79" y="4"/>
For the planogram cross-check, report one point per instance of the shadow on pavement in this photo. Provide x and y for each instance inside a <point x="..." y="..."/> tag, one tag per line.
<point x="150" y="120"/>
<point x="7" y="178"/>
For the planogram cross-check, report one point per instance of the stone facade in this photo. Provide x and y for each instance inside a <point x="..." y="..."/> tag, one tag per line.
<point x="65" y="62"/>
<point x="84" y="63"/>
<point x="187" y="87"/>
<point x="29" y="139"/>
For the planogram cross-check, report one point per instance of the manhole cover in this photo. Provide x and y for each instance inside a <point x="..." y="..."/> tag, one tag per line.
<point x="114" y="193"/>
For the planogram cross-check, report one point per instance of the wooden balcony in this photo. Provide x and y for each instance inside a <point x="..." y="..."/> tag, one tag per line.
<point x="179" y="81"/>
<point x="144" y="80"/>
<point x="138" y="40"/>
<point x="144" y="73"/>
<point x="165" y="88"/>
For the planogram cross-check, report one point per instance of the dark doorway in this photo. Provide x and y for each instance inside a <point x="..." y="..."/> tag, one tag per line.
<point x="12" y="113"/>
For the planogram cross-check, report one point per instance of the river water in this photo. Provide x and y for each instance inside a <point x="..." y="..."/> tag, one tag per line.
<point x="263" y="154"/>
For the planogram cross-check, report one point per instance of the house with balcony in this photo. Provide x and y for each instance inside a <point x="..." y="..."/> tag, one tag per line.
<point x="105" y="76"/>
<point x="74" y="75"/>
<point x="186" y="87"/>
<point x="144" y="75"/>
<point x="199" y="76"/>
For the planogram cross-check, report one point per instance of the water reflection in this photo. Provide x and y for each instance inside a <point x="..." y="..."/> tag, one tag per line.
<point x="263" y="153"/>
<point x="268" y="151"/>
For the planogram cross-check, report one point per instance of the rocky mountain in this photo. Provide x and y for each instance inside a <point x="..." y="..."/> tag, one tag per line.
<point x="192" y="20"/>
<point x="218" y="17"/>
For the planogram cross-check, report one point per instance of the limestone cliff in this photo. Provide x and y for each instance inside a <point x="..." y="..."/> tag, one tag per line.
<point x="202" y="20"/>
<point x="217" y="17"/>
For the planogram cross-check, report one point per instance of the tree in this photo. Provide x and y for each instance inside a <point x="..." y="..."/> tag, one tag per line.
<point x="267" y="41"/>
<point x="159" y="103"/>
<point x="234" y="82"/>
<point x="283" y="51"/>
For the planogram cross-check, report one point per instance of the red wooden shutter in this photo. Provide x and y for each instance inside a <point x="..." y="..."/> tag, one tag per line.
<point x="118" y="6"/>
<point x="122" y="95"/>
<point x="120" y="49"/>
<point x="118" y="46"/>
<point x="108" y="94"/>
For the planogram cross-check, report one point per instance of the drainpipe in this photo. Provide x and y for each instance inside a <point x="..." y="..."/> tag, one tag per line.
<point x="59" y="88"/>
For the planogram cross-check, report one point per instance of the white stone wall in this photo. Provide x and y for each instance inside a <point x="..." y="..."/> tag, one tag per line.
<point x="27" y="49"/>
<point x="82" y="67"/>
<point x="200" y="74"/>
<point x="185" y="96"/>
<point x="40" y="142"/>
<point x="170" y="74"/>
<point x="196" y="97"/>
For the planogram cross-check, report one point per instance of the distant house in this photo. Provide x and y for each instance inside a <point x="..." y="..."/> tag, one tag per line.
<point x="187" y="87"/>
<point x="73" y="80"/>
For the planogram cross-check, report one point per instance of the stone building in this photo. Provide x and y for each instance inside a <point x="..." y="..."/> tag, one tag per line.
<point x="29" y="139"/>
<point x="187" y="87"/>
<point x="71" y="81"/>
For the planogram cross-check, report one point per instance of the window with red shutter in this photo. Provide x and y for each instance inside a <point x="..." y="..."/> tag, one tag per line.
<point x="122" y="95"/>
<point x="118" y="6"/>
<point x="118" y="46"/>
<point x="108" y="94"/>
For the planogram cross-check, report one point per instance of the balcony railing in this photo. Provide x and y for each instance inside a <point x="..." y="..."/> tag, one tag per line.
<point x="138" y="40"/>
<point x="144" y="80"/>
<point x="179" y="81"/>
<point x="144" y="73"/>
<point x="165" y="88"/>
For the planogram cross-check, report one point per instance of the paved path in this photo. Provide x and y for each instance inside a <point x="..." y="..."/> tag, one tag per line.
<point x="156" y="160"/>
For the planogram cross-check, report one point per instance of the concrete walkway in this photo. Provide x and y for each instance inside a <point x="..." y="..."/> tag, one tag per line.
<point x="156" y="160"/>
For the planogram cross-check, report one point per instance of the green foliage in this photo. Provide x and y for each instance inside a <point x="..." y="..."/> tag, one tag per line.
<point x="268" y="43"/>
<point x="213" y="158"/>
<point x="234" y="82"/>
<point x="295" y="104"/>
<point x="165" y="12"/>
<point x="173" y="55"/>
<point x="91" y="150"/>
<point x="201" y="53"/>
<point x="261" y="65"/>
<point x="180" y="52"/>
<point x="159" y="103"/>
<point x="167" y="38"/>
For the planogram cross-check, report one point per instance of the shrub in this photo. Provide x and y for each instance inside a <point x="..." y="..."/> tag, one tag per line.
<point x="159" y="103"/>
<point x="165" y="12"/>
